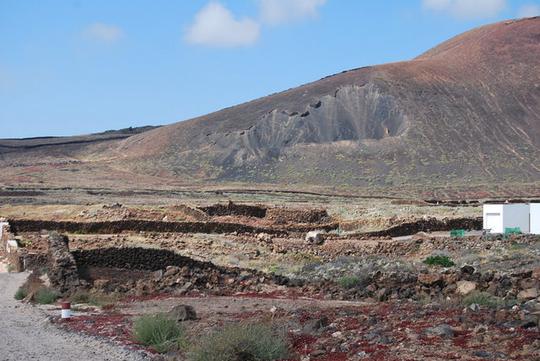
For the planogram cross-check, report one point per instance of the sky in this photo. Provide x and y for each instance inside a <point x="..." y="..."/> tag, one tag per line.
<point x="81" y="66"/>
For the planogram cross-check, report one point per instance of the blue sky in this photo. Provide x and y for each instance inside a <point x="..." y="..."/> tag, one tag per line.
<point x="74" y="67"/>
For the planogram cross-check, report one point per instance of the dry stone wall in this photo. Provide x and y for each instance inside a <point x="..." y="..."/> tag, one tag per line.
<point x="427" y="225"/>
<point x="287" y="215"/>
<point x="134" y="258"/>
<point x="232" y="209"/>
<point x="27" y="225"/>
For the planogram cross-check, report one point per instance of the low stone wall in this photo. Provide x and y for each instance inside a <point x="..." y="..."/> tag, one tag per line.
<point x="288" y="215"/>
<point x="25" y="225"/>
<point x="135" y="259"/>
<point x="34" y="261"/>
<point x="170" y="272"/>
<point x="232" y="209"/>
<point x="426" y="225"/>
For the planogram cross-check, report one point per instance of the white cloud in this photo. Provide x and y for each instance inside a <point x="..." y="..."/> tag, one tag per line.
<point x="467" y="9"/>
<point x="281" y="11"/>
<point x="528" y="11"/>
<point x="104" y="32"/>
<point x="215" y="25"/>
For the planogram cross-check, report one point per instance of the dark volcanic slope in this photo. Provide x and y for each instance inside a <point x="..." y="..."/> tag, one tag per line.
<point x="467" y="110"/>
<point x="464" y="113"/>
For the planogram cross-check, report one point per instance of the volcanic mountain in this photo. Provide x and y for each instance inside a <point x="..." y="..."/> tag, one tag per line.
<point x="465" y="112"/>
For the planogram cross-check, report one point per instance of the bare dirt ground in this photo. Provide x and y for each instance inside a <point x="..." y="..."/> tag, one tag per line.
<point x="27" y="333"/>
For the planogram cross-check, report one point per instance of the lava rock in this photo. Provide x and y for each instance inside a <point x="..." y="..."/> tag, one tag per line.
<point x="181" y="313"/>
<point x="443" y="330"/>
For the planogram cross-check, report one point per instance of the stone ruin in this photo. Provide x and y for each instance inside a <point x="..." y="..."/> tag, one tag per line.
<point x="62" y="268"/>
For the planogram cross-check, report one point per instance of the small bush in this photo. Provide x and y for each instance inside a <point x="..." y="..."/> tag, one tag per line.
<point x="94" y="299"/>
<point x="482" y="299"/>
<point x="45" y="296"/>
<point x="103" y="300"/>
<point x="158" y="331"/>
<point x="242" y="342"/>
<point x="80" y="297"/>
<point x="21" y="294"/>
<point x="443" y="261"/>
<point x="349" y="281"/>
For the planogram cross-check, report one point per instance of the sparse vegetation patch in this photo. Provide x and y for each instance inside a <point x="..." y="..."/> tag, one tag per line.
<point x="45" y="296"/>
<point x="349" y="281"/>
<point x="443" y="261"/>
<point x="158" y="331"/>
<point x="94" y="299"/>
<point x="21" y="294"/>
<point x="242" y="342"/>
<point x="482" y="299"/>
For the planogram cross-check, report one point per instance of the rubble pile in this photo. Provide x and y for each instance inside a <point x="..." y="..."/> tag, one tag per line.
<point x="401" y="283"/>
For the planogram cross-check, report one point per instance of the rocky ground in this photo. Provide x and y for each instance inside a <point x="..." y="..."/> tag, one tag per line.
<point x="339" y="295"/>
<point x="336" y="330"/>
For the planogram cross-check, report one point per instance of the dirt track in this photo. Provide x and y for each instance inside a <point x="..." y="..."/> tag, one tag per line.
<point x="27" y="335"/>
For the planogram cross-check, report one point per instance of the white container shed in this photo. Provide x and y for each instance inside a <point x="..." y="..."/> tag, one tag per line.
<point x="498" y="217"/>
<point x="534" y="213"/>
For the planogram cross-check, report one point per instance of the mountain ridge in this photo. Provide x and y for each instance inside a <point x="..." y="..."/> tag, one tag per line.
<point x="386" y="108"/>
<point x="464" y="113"/>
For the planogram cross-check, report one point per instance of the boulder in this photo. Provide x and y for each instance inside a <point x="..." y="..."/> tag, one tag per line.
<point x="467" y="269"/>
<point x="265" y="237"/>
<point x="527" y="283"/>
<point x="315" y="237"/>
<point x="182" y="313"/>
<point x="465" y="287"/>
<point x="527" y="294"/>
<point x="157" y="275"/>
<point x="442" y="331"/>
<point x="430" y="279"/>
<point x="536" y="273"/>
<point x="46" y="281"/>
<point x="171" y="271"/>
<point x="315" y="325"/>
<point x="101" y="284"/>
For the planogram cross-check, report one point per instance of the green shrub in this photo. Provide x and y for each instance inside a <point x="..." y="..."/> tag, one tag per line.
<point x="80" y="297"/>
<point x="482" y="299"/>
<point x="21" y="294"/>
<point x="443" y="261"/>
<point x="349" y="281"/>
<point x="258" y="342"/>
<point x="102" y="299"/>
<point x="45" y="296"/>
<point x="94" y="299"/>
<point x="158" y="331"/>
